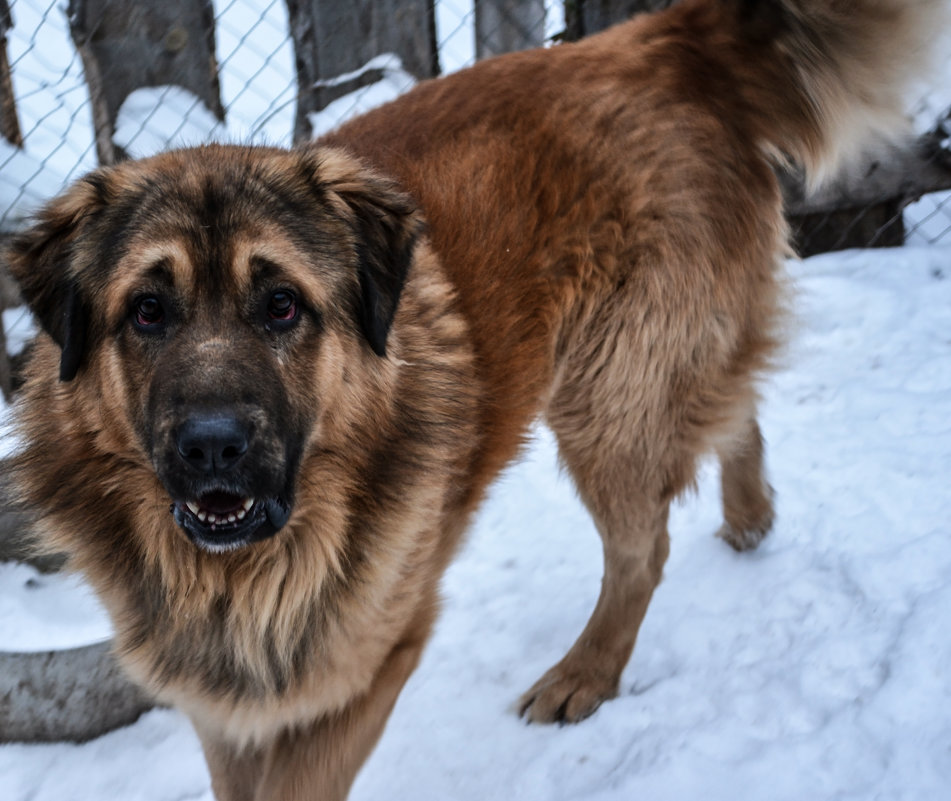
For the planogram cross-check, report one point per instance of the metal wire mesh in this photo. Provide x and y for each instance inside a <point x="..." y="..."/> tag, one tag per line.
<point x="256" y="68"/>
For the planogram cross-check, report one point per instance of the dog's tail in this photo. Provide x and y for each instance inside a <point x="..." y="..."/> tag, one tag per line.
<point x="823" y="77"/>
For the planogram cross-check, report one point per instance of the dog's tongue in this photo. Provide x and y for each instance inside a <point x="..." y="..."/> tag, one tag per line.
<point x="221" y="503"/>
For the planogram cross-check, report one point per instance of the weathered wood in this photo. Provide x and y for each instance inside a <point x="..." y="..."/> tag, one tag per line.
<point x="128" y="44"/>
<point x="6" y="390"/>
<point x="9" y="297"/>
<point x="334" y="38"/>
<point x="73" y="695"/>
<point x="584" y="17"/>
<point x="15" y="544"/>
<point x="878" y="226"/>
<point x="9" y="122"/>
<point x="504" y="26"/>
<point x="9" y="292"/>
<point x="863" y="208"/>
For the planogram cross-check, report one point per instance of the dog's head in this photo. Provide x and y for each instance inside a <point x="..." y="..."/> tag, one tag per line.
<point x="205" y="285"/>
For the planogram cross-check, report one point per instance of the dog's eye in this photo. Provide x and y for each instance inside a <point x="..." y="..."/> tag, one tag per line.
<point x="148" y="313"/>
<point x="281" y="309"/>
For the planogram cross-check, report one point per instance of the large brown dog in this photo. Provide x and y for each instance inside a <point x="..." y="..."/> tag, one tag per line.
<point x="273" y="386"/>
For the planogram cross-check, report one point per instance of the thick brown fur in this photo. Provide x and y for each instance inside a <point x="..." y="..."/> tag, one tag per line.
<point x="591" y="234"/>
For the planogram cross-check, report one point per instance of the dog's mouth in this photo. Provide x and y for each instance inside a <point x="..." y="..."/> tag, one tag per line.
<point x="219" y="520"/>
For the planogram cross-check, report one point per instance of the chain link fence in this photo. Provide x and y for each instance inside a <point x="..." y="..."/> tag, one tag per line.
<point x="69" y="69"/>
<point x="255" y="66"/>
<point x="250" y="92"/>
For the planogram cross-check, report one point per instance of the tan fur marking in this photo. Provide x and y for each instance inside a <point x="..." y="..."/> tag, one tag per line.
<point x="271" y="244"/>
<point x="131" y="272"/>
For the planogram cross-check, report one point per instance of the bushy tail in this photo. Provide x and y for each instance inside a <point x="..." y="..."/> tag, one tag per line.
<point x="825" y="77"/>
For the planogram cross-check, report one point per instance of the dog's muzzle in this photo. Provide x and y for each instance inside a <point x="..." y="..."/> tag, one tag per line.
<point x="213" y="450"/>
<point x="219" y="521"/>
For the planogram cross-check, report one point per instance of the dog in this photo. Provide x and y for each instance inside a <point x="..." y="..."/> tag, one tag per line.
<point x="272" y="386"/>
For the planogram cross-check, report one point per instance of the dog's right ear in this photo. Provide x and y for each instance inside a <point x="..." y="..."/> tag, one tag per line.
<point x="42" y="260"/>
<point x="387" y="224"/>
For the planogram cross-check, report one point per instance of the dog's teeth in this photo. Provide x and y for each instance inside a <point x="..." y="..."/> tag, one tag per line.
<point x="241" y="514"/>
<point x="231" y="518"/>
<point x="212" y="519"/>
<point x="248" y="503"/>
<point x="201" y="516"/>
<point x="192" y="507"/>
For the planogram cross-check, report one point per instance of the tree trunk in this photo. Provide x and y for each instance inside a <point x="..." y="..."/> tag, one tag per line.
<point x="127" y="45"/>
<point x="503" y="26"/>
<point x="334" y="41"/>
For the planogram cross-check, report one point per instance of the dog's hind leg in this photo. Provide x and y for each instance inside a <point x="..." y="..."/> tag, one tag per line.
<point x="618" y="439"/>
<point x="628" y="492"/>
<point x="632" y="522"/>
<point x="747" y="496"/>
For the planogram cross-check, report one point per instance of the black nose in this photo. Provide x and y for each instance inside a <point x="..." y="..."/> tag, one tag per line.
<point x="212" y="444"/>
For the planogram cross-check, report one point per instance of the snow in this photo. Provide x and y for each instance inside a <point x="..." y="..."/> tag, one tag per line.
<point x="52" y="104"/>
<point x="928" y="220"/>
<point x="395" y="81"/>
<point x="815" y="667"/>
<point x="47" y="612"/>
<point x="155" y="119"/>
<point x="256" y="68"/>
<point x="19" y="327"/>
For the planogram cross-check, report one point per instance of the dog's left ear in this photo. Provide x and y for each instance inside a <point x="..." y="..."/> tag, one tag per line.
<point x="41" y="259"/>
<point x="387" y="224"/>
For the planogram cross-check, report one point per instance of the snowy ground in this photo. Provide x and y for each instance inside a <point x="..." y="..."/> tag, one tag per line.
<point x="814" y="668"/>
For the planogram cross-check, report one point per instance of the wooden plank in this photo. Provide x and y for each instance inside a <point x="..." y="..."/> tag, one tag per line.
<point x="863" y="207"/>
<point x="504" y="26"/>
<point x="9" y="297"/>
<point x="9" y="123"/>
<point x="901" y="171"/>
<point x="6" y="390"/>
<point x="129" y="44"/>
<point x="584" y="17"/>
<point x="335" y="38"/>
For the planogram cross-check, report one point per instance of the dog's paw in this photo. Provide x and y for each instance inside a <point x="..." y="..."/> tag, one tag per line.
<point x="744" y="539"/>
<point x="565" y="695"/>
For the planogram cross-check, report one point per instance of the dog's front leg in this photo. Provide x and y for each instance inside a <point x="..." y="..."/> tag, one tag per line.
<point x="235" y="773"/>
<point x="320" y="762"/>
<point x="317" y="762"/>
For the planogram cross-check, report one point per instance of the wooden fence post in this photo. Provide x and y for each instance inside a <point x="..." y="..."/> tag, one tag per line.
<point x="864" y="209"/>
<point x="503" y="26"/>
<point x="9" y="124"/>
<point x="128" y="44"/>
<point x="334" y="40"/>
<point x="584" y="17"/>
<point x="9" y="297"/>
